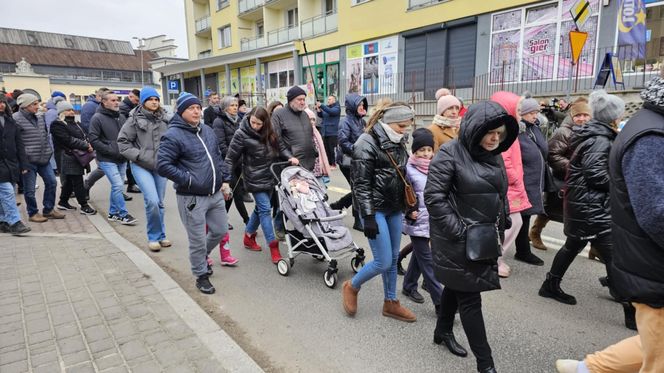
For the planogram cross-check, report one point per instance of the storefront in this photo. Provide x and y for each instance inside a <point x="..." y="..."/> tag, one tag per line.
<point x="372" y="67"/>
<point x="321" y="71"/>
<point x="281" y="76"/>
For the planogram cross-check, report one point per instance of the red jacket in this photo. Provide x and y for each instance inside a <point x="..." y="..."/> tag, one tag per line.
<point x="516" y="191"/>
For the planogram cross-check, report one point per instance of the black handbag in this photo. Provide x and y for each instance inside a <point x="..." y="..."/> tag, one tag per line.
<point x="551" y="184"/>
<point x="482" y="239"/>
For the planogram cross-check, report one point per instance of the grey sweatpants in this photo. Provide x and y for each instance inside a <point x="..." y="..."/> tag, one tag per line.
<point x="196" y="212"/>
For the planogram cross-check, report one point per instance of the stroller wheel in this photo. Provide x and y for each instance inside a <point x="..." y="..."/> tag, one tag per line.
<point x="283" y="267"/>
<point x="320" y="258"/>
<point x="356" y="263"/>
<point x="330" y="278"/>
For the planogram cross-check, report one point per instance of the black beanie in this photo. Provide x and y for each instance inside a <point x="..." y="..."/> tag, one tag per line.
<point x="421" y="137"/>
<point x="294" y="92"/>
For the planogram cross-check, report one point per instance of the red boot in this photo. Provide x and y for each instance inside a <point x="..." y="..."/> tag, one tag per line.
<point x="250" y="242"/>
<point x="274" y="251"/>
<point x="225" y="251"/>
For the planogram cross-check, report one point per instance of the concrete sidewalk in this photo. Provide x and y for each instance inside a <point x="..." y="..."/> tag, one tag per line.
<point x="77" y="297"/>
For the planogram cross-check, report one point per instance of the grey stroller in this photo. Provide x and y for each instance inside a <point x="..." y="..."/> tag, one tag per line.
<point x="312" y="227"/>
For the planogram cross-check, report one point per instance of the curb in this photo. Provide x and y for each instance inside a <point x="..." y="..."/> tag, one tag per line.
<point x="229" y="354"/>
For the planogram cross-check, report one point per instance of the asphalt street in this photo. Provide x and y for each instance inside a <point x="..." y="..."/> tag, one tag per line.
<point x="297" y="324"/>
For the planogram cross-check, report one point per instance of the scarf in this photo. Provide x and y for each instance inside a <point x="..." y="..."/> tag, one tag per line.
<point x="392" y="134"/>
<point x="322" y="166"/>
<point x="654" y="92"/>
<point x="441" y="121"/>
<point x="421" y="164"/>
<point x="233" y="118"/>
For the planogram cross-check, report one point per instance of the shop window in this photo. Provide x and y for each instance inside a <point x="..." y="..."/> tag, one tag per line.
<point x="283" y="79"/>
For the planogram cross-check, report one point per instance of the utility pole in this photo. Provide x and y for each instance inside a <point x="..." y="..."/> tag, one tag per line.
<point x="141" y="45"/>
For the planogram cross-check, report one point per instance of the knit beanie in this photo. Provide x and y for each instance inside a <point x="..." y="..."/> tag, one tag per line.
<point x="295" y="91"/>
<point x="421" y="137"/>
<point x="580" y="108"/>
<point x="395" y="114"/>
<point x="185" y="100"/>
<point x="26" y="99"/>
<point x="63" y="106"/>
<point x="606" y="108"/>
<point x="446" y="102"/>
<point x="529" y="105"/>
<point x="58" y="94"/>
<point x="146" y="93"/>
<point x="57" y="99"/>
<point x="442" y="92"/>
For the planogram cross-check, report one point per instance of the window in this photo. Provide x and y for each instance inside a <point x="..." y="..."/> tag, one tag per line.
<point x="291" y="17"/>
<point x="330" y="6"/>
<point x="358" y="2"/>
<point x="225" y="36"/>
<point x="260" y="28"/>
<point x="221" y="4"/>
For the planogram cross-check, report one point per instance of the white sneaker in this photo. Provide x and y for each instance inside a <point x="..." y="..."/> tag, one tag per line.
<point x="154" y="246"/>
<point x="567" y="366"/>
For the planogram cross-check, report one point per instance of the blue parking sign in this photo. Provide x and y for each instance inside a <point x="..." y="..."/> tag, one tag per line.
<point x="173" y="86"/>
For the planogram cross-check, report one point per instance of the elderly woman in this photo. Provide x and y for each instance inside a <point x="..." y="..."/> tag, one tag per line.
<point x="378" y="167"/>
<point x="467" y="189"/>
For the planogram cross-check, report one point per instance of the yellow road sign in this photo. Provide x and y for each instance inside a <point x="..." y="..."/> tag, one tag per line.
<point x="580" y="12"/>
<point x="577" y="40"/>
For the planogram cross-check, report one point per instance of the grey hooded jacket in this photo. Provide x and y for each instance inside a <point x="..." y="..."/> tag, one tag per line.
<point x="140" y="135"/>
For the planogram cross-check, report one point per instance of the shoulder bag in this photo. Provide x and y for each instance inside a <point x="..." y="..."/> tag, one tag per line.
<point x="409" y="195"/>
<point x="83" y="156"/>
<point x="482" y="239"/>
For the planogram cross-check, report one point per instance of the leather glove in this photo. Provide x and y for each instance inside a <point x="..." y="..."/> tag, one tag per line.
<point x="370" y="227"/>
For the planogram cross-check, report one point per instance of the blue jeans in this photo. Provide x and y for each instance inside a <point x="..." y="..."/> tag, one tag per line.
<point x="8" y="210"/>
<point x="262" y="216"/>
<point x="385" y="250"/>
<point x="115" y="172"/>
<point x="50" y="184"/>
<point x="153" y="188"/>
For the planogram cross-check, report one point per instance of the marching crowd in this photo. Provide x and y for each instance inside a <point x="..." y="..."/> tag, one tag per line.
<point x="465" y="193"/>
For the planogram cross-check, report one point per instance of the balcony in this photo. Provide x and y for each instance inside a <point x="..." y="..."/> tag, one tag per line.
<point x="319" y="25"/>
<point x="251" y="44"/>
<point x="282" y="35"/>
<point x="202" y="25"/>
<point x="247" y="6"/>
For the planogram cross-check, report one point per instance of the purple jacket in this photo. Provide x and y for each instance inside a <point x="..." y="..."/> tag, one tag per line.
<point x="419" y="228"/>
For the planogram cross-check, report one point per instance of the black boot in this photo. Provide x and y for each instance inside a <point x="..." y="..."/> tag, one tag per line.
<point x="551" y="289"/>
<point x="630" y="316"/>
<point x="400" y="270"/>
<point x="450" y="342"/>
<point x="488" y="370"/>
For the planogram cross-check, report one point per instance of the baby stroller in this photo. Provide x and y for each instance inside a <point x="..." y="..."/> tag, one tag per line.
<point x="312" y="227"/>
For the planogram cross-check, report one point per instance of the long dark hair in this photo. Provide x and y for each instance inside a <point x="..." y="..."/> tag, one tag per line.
<point x="268" y="137"/>
<point x="273" y="105"/>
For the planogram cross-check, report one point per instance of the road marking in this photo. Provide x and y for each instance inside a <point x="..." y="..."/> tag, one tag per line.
<point x="338" y="190"/>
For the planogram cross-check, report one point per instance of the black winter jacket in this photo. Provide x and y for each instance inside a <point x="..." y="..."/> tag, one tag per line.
<point x="376" y="184"/>
<point x="467" y="182"/>
<point x="104" y="129"/>
<point x="296" y="134"/>
<point x="189" y="156"/>
<point x="255" y="157"/>
<point x="534" y="151"/>
<point x="68" y="136"/>
<point x="559" y="150"/>
<point x="126" y="106"/>
<point x="12" y="152"/>
<point x="225" y="128"/>
<point x="586" y="196"/>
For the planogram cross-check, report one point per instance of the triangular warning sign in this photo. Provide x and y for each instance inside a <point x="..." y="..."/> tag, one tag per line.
<point x="577" y="40"/>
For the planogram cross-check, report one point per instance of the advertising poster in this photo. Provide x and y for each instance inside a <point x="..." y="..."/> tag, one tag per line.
<point x="248" y="79"/>
<point x="388" y="45"/>
<point x="371" y="48"/>
<point x="632" y="29"/>
<point x="354" y="51"/>
<point x="370" y="75"/>
<point x="504" y="56"/>
<point x="387" y="68"/>
<point x="354" y="74"/>
<point x="538" y="52"/>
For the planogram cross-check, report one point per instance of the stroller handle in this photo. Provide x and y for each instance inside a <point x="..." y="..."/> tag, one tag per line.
<point x="272" y="167"/>
<point x="341" y="215"/>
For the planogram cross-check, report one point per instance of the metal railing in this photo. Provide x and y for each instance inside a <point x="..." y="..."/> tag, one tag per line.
<point x="251" y="44"/>
<point x="203" y="24"/>
<point x="321" y="24"/>
<point x="282" y="35"/>
<point x="248" y="5"/>
<point x="412" y="4"/>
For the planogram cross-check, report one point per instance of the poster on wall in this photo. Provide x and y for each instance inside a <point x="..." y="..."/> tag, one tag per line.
<point x="248" y="80"/>
<point x="371" y="67"/>
<point x="370" y="75"/>
<point x="505" y="56"/>
<point x="387" y="67"/>
<point x="538" y="54"/>
<point x="354" y="51"/>
<point x="632" y="29"/>
<point x="354" y="73"/>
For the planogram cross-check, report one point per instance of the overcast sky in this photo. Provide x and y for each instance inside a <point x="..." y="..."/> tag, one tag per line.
<point x="110" y="19"/>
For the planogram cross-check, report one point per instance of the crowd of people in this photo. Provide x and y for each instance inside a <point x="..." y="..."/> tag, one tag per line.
<point x="465" y="193"/>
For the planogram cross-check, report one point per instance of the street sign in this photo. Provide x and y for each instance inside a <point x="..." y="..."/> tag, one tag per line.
<point x="580" y="12"/>
<point x="173" y="86"/>
<point x="577" y="40"/>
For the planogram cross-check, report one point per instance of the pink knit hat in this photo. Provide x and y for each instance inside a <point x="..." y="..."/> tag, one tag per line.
<point x="447" y="102"/>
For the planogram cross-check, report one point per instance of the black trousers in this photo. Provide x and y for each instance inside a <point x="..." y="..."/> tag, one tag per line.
<point x="347" y="200"/>
<point x="72" y="183"/>
<point x="470" y="312"/>
<point x="130" y="178"/>
<point x="238" y="192"/>
<point x="522" y="242"/>
<point x="573" y="247"/>
<point x="330" y="143"/>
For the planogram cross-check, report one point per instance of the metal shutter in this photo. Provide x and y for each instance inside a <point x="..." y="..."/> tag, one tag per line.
<point x="435" y="63"/>
<point x="415" y="63"/>
<point x="461" y="56"/>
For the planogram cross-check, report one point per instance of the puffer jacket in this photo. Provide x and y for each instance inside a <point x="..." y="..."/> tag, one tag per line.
<point x="12" y="151"/>
<point x="254" y="156"/>
<point x="534" y="150"/>
<point x="467" y="182"/>
<point x="104" y="129"/>
<point x="88" y="111"/>
<point x="516" y="191"/>
<point x="330" y="115"/>
<point x="139" y="137"/>
<point x="352" y="126"/>
<point x="559" y="149"/>
<point x="34" y="135"/>
<point x="376" y="183"/>
<point x="419" y="227"/>
<point x="586" y="195"/>
<point x="295" y="132"/>
<point x="69" y="135"/>
<point x="225" y="128"/>
<point x="126" y="106"/>
<point x="190" y="157"/>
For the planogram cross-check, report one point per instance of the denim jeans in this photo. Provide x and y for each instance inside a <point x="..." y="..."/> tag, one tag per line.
<point x="8" y="210"/>
<point x="115" y="172"/>
<point x="261" y="215"/>
<point x="153" y="188"/>
<point x="385" y="250"/>
<point x="50" y="184"/>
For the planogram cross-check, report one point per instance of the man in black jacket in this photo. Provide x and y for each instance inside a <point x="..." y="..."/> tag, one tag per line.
<point x="128" y="104"/>
<point x="293" y="129"/>
<point x="104" y="128"/>
<point x="211" y="112"/>
<point x="12" y="164"/>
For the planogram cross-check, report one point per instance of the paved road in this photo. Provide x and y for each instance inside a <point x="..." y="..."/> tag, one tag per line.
<point x="297" y="324"/>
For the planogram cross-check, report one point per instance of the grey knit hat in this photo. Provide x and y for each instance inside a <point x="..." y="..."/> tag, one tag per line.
<point x="606" y="108"/>
<point x="398" y="113"/>
<point x="63" y="106"/>
<point x="529" y="105"/>
<point x="26" y="99"/>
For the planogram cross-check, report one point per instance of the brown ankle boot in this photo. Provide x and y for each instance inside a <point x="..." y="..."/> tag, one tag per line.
<point x="349" y="298"/>
<point x="394" y="309"/>
<point x="535" y="233"/>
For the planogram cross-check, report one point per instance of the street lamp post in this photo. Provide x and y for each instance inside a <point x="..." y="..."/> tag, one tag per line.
<point x="141" y="45"/>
